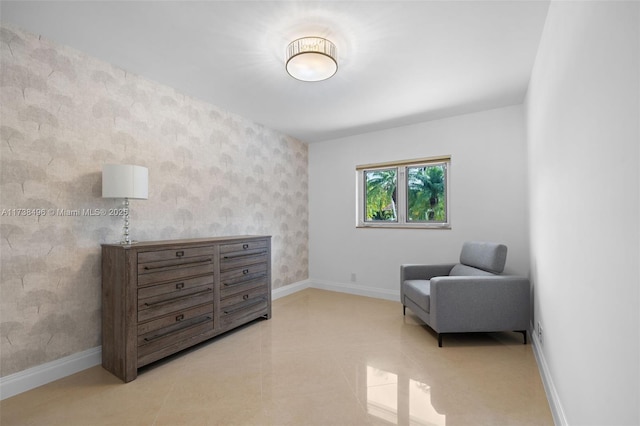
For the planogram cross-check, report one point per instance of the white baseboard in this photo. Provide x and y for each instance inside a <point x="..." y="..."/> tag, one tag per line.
<point x="337" y="287"/>
<point x="358" y="290"/>
<point x="290" y="289"/>
<point x="552" y="394"/>
<point x="31" y="378"/>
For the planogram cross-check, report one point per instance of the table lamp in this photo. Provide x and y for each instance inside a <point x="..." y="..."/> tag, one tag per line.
<point x="125" y="181"/>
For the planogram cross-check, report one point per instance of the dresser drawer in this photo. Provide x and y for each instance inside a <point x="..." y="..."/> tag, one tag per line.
<point x="244" y="246"/>
<point x="248" y="310"/>
<point x="173" y="254"/>
<point x="236" y="260"/>
<point x="175" y="272"/>
<point x="149" y="331"/>
<point x="157" y="306"/>
<point x="227" y="289"/>
<point x="157" y="341"/>
<point x="166" y="265"/>
<point x="177" y="288"/>
<point x="247" y="273"/>
<point x="230" y="303"/>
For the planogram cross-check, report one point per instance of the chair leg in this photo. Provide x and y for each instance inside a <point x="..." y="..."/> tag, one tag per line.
<point x="404" y="310"/>
<point x="524" y="335"/>
<point x="439" y="340"/>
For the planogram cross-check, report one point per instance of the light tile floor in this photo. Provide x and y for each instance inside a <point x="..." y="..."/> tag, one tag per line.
<point x="324" y="358"/>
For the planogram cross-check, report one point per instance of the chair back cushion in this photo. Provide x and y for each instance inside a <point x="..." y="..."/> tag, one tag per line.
<point x="461" y="270"/>
<point x="489" y="257"/>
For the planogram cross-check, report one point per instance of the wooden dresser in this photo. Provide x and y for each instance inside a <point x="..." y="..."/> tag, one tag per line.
<point x="160" y="297"/>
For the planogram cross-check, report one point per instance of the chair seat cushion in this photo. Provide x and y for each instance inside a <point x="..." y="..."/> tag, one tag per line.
<point x="419" y="292"/>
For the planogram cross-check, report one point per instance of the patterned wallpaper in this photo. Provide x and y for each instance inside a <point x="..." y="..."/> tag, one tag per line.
<point x="63" y="116"/>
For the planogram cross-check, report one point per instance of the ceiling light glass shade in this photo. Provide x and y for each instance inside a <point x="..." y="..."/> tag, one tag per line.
<point x="311" y="59"/>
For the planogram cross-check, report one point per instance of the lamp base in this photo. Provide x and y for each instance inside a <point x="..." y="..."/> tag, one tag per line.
<point x="125" y="228"/>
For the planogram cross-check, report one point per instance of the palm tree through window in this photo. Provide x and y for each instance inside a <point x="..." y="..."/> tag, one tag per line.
<point x="411" y="193"/>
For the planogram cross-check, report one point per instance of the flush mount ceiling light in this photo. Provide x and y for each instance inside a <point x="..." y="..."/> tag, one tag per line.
<point x="311" y="59"/>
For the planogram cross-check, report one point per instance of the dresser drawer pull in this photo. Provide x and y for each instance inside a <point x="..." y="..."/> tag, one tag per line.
<point x="149" y="268"/>
<point x="179" y="286"/>
<point x="245" y="246"/>
<point x="161" y="335"/>
<point x="244" y="282"/>
<point x="245" y="297"/>
<point x="180" y="253"/>
<point x="234" y="255"/>
<point x="245" y="272"/>
<point x="245" y="306"/>
<point x="208" y="290"/>
<point x="180" y="317"/>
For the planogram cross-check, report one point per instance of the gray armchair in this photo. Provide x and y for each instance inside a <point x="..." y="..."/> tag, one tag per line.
<point x="469" y="296"/>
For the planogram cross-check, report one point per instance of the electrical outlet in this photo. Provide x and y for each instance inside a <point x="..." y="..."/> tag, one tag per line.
<point x="539" y="333"/>
<point x="353" y="277"/>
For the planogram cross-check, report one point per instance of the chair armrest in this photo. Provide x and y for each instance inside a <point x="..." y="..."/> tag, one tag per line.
<point x="480" y="303"/>
<point x="423" y="272"/>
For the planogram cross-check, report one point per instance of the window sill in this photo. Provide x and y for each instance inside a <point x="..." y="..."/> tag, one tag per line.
<point x="445" y="226"/>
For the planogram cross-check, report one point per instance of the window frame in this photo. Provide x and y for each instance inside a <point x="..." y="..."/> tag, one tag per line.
<point x="402" y="193"/>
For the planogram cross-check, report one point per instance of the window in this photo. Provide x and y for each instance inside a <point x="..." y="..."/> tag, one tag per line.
<point x="404" y="194"/>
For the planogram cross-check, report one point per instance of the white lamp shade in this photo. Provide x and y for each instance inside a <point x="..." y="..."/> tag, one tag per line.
<point x="125" y="181"/>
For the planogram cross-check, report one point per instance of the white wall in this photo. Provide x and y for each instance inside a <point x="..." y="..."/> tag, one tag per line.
<point x="488" y="199"/>
<point x="582" y="128"/>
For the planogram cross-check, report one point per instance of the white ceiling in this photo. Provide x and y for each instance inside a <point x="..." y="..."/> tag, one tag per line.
<point x="400" y="62"/>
